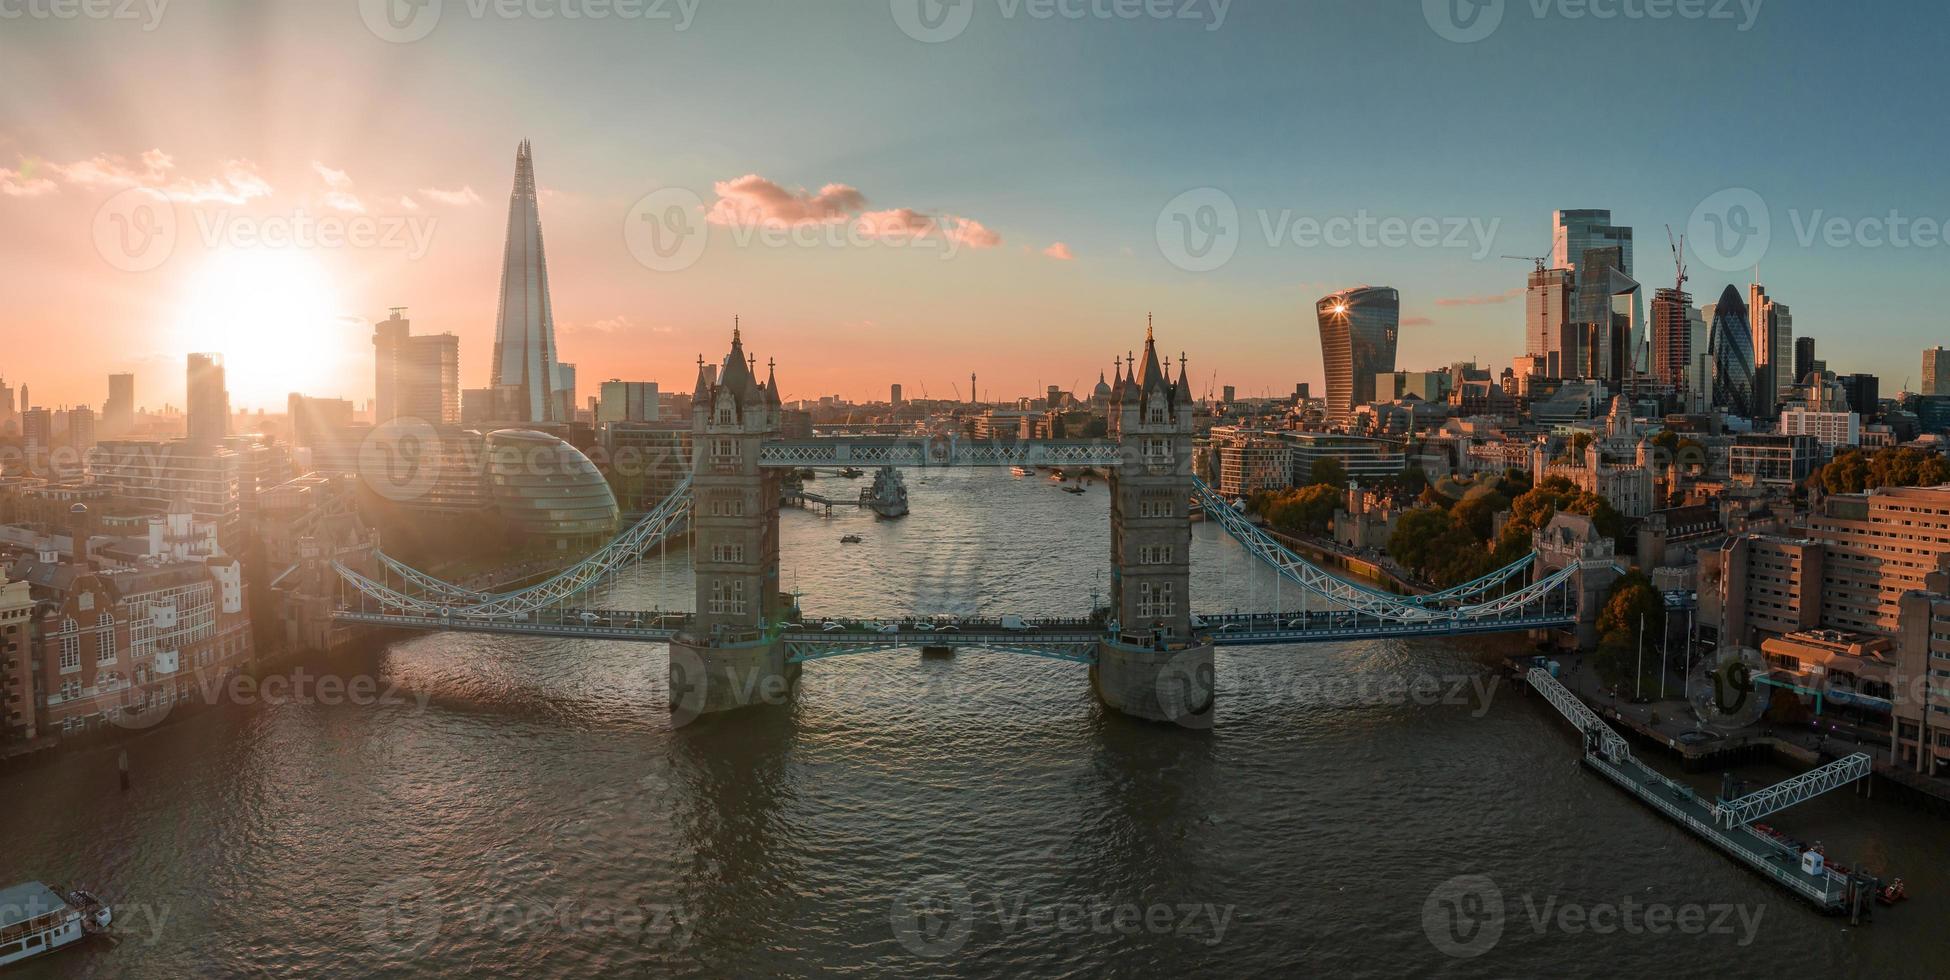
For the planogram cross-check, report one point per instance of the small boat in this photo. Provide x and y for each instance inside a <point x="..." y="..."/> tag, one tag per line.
<point x="1019" y="470"/>
<point x="36" y="919"/>
<point x="850" y="539"/>
<point x="1075" y="488"/>
<point x="1892" y="893"/>
<point x="852" y="474"/>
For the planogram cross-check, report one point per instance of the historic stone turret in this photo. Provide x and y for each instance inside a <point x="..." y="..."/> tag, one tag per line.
<point x="1155" y="667"/>
<point x="732" y="656"/>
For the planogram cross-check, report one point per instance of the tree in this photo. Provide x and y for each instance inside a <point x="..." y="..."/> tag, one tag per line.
<point x="1307" y="510"/>
<point x="1329" y="470"/>
<point x="1415" y="536"/>
<point x="1634" y="615"/>
<point x="1478" y="511"/>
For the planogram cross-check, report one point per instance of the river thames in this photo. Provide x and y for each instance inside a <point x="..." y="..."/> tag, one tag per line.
<point x="504" y="806"/>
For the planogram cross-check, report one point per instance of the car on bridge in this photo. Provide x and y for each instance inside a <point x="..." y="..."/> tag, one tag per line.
<point x="1015" y="623"/>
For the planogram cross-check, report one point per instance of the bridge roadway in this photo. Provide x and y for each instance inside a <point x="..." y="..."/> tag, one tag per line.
<point x="1063" y="639"/>
<point x="941" y="450"/>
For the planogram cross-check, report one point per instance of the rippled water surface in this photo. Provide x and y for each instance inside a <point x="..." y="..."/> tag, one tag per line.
<point x="523" y="806"/>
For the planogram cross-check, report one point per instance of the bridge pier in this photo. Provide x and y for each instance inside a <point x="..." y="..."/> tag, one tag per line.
<point x="713" y="678"/>
<point x="1175" y="686"/>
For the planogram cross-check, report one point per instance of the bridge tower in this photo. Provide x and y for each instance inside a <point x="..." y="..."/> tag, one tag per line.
<point x="1573" y="540"/>
<point x="732" y="656"/>
<point x="1154" y="666"/>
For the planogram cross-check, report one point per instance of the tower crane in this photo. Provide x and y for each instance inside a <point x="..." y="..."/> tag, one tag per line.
<point x="1542" y="262"/>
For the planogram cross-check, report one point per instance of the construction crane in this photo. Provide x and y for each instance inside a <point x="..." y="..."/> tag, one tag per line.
<point x="1678" y="246"/>
<point x="1542" y="262"/>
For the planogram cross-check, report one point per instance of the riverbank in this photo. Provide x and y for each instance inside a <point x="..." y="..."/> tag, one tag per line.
<point x="1668" y="724"/>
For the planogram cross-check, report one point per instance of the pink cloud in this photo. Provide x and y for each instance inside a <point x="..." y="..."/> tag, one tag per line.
<point x="236" y="182"/>
<point x="1417" y="321"/>
<point x="18" y="183"/>
<point x="458" y="198"/>
<point x="338" y="189"/>
<point x="969" y="232"/>
<point x="752" y="200"/>
<point x="1059" y="252"/>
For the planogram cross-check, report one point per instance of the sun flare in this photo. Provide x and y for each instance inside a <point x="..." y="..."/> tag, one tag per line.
<point x="275" y="317"/>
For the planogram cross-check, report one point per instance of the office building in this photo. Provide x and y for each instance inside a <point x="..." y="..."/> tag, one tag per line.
<point x="1830" y="429"/>
<point x="118" y="412"/>
<point x="1731" y="345"/>
<point x="1936" y="371"/>
<point x="895" y="396"/>
<point x="310" y="417"/>
<point x="208" y="400"/>
<point x="1250" y="461"/>
<point x="1864" y="393"/>
<point x="629" y="401"/>
<point x="1359" y="330"/>
<point x="1772" y="327"/>
<point x="1804" y="358"/>
<point x="1547" y="315"/>
<point x="525" y="373"/>
<point x="36" y="431"/>
<point x="1672" y="336"/>
<point x="414" y="377"/>
<point x="81" y="428"/>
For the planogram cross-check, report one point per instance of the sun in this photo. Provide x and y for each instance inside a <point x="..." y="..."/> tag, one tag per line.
<point x="275" y="317"/>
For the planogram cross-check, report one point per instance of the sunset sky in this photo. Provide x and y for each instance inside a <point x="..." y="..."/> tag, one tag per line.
<point x="989" y="203"/>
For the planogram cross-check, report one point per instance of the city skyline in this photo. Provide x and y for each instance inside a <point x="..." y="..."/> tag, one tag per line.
<point x="1074" y="236"/>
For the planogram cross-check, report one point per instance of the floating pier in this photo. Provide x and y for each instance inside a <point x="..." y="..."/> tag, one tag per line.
<point x="1726" y="824"/>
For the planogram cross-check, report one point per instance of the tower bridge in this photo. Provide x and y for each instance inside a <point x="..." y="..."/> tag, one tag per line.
<point x="1148" y="654"/>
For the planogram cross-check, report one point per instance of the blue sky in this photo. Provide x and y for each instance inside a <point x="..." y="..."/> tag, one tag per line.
<point x="1076" y="131"/>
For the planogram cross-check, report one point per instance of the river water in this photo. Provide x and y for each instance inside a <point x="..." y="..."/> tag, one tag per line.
<point x="517" y="806"/>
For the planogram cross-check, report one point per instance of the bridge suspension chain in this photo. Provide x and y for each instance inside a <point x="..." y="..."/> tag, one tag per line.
<point x="625" y="549"/>
<point x="1373" y="602"/>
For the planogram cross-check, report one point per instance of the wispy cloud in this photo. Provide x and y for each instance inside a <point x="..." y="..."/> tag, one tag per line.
<point x="236" y="181"/>
<point x="457" y="198"/>
<point x="1417" y="321"/>
<point x="24" y="182"/>
<point x="338" y="189"/>
<point x="1059" y="252"/>
<point x="1489" y="300"/>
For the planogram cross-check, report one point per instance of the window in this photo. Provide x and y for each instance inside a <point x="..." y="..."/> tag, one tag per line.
<point x="728" y="597"/>
<point x="1157" y="415"/>
<point x="1157" y="450"/>
<point x="1155" y="601"/>
<point x="70" y="646"/>
<point x="105" y="650"/>
<point x="728" y="552"/>
<point x="1155" y="504"/>
<point x="1155" y="555"/>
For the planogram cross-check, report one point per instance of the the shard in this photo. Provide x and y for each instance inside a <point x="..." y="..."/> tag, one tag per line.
<point x="525" y="369"/>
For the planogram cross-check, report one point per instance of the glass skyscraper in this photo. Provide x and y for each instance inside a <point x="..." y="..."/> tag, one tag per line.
<point x="1731" y="344"/>
<point x="525" y="372"/>
<point x="1359" y="329"/>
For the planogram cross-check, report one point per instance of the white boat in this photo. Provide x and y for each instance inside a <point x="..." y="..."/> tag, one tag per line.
<point x="1019" y="470"/>
<point x="888" y="495"/>
<point x="36" y="919"/>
